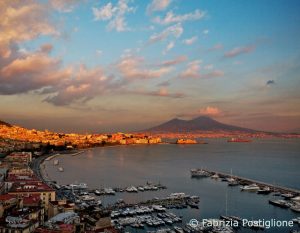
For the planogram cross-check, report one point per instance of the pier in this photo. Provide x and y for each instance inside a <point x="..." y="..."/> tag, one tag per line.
<point x="247" y="181"/>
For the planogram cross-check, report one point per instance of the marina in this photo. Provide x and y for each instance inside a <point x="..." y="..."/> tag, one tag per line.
<point x="290" y="198"/>
<point x="246" y="182"/>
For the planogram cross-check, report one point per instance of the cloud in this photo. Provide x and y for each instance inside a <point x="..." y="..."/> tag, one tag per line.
<point x="31" y="72"/>
<point x="22" y="22"/>
<point x="190" y="41"/>
<point x="158" y="5"/>
<point x="210" y="111"/>
<point x="65" y="6"/>
<point x="173" y="18"/>
<point x="162" y="92"/>
<point x="83" y="85"/>
<point x="239" y="50"/>
<point x="114" y="14"/>
<point x="169" y="46"/>
<point x="174" y="30"/>
<point x="193" y="71"/>
<point x="216" y="47"/>
<point x="131" y="67"/>
<point x="270" y="82"/>
<point x="174" y="61"/>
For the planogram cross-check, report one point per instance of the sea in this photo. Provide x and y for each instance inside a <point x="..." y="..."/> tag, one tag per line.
<point x="276" y="161"/>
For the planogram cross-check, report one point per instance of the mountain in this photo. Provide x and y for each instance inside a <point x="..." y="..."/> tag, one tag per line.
<point x="4" y="123"/>
<point x="202" y="123"/>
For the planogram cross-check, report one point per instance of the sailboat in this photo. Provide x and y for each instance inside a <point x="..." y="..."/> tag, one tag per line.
<point x="232" y="181"/>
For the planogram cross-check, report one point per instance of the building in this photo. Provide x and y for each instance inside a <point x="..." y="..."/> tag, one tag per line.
<point x="23" y="188"/>
<point x="60" y="206"/>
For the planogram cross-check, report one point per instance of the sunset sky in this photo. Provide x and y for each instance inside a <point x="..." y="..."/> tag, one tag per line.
<point x="98" y="66"/>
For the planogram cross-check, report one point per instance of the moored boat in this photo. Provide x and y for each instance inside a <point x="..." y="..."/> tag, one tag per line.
<point x="251" y="187"/>
<point x="265" y="190"/>
<point x="279" y="203"/>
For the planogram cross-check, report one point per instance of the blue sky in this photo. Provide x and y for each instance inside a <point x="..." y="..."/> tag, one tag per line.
<point x="129" y="64"/>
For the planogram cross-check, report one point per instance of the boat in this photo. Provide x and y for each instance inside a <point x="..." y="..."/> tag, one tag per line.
<point x="109" y="191"/>
<point x="198" y="173"/>
<point x="279" y="203"/>
<point x="78" y="186"/>
<point x="295" y="208"/>
<point x="251" y="187"/>
<point x="239" y="140"/>
<point x="55" y="162"/>
<point x="178" y="229"/>
<point x="97" y="192"/>
<point x="265" y="190"/>
<point x="287" y="195"/>
<point x="215" y="176"/>
<point x="141" y="189"/>
<point x="132" y="189"/>
<point x="87" y="198"/>
<point x="233" y="182"/>
<point x="61" y="169"/>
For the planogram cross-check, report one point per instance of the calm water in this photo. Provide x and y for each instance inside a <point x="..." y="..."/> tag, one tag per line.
<point x="274" y="161"/>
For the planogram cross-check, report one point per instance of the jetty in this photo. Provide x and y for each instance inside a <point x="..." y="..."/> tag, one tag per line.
<point x="247" y="181"/>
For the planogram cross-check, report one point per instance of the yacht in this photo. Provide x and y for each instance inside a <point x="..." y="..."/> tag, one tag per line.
<point x="215" y="176"/>
<point x="233" y="182"/>
<point x="251" y="187"/>
<point x="295" y="208"/>
<point x="141" y="189"/>
<point x="61" y="169"/>
<point x="109" y="191"/>
<point x="279" y="203"/>
<point x="132" y="189"/>
<point x="265" y="190"/>
<point x="97" y="192"/>
<point x="78" y="186"/>
<point x="198" y="173"/>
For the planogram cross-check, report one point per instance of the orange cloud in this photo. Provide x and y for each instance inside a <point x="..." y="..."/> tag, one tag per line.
<point x="22" y="20"/>
<point x="131" y="68"/>
<point x="211" y="111"/>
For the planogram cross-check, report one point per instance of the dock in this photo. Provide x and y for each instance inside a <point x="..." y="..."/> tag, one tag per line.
<point x="247" y="181"/>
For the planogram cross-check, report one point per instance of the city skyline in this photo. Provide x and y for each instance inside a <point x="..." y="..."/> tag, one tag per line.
<point x="96" y="66"/>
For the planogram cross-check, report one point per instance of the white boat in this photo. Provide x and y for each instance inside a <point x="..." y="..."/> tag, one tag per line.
<point x="78" y="186"/>
<point x="132" y="189"/>
<point x="97" y="192"/>
<point x="109" y="191"/>
<point x="295" y="208"/>
<point x="61" y="169"/>
<point x="87" y="198"/>
<point x="56" y="162"/>
<point x="251" y="187"/>
<point x="141" y="189"/>
<point x="215" y="176"/>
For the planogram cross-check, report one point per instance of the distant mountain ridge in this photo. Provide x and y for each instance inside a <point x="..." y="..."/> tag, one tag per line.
<point x="201" y="123"/>
<point x="4" y="123"/>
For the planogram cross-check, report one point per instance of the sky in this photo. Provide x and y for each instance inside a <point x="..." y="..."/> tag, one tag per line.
<point x="126" y="65"/>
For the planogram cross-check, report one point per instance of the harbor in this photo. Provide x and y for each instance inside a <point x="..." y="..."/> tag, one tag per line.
<point x="282" y="197"/>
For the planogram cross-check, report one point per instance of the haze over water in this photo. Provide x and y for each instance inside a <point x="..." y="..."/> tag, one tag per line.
<point x="273" y="161"/>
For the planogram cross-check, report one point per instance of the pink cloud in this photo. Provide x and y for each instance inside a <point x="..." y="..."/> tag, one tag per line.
<point x="210" y="111"/>
<point x="239" y="50"/>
